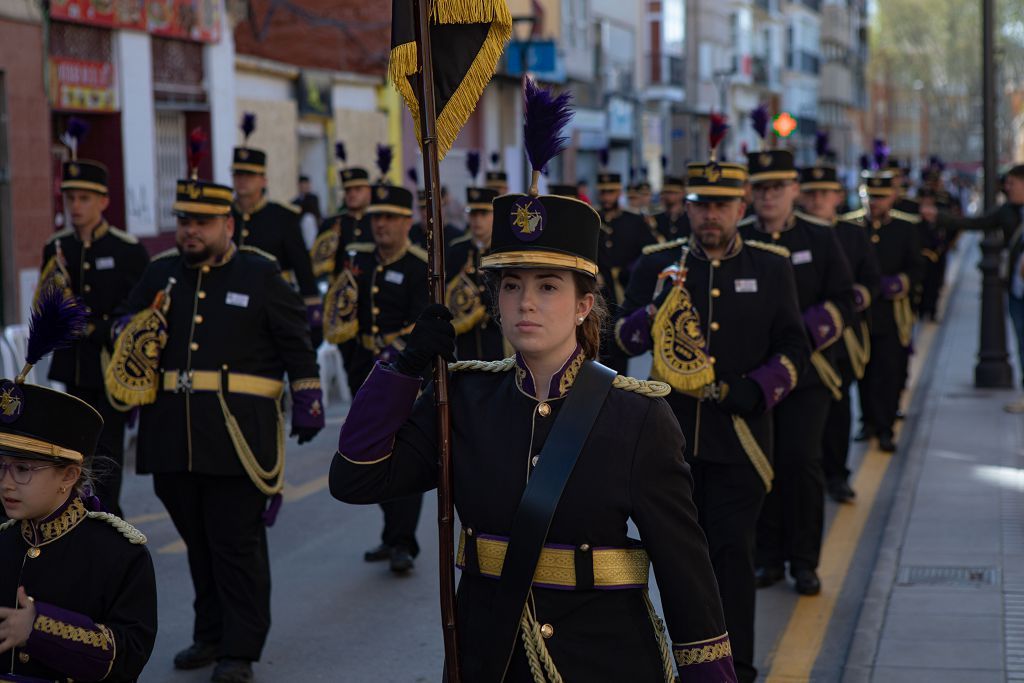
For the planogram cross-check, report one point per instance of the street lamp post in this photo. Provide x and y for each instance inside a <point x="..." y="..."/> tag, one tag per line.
<point x="993" y="367"/>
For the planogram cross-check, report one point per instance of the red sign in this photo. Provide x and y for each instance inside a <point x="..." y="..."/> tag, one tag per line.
<point x="78" y="85"/>
<point x="197" y="20"/>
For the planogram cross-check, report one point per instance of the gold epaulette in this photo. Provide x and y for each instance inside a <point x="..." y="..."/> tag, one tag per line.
<point x="418" y="251"/>
<point x="173" y="251"/>
<point x="294" y="208"/>
<point x="361" y="247"/>
<point x="644" y="387"/>
<point x="60" y="234"/>
<point x="749" y="220"/>
<point x="655" y="248"/>
<point x="7" y="525"/>
<point x="461" y="239"/>
<point x="256" y="250"/>
<point x="776" y="249"/>
<point x="483" y="365"/>
<point x="904" y="216"/>
<point x="854" y="215"/>
<point x="812" y="219"/>
<point x="134" y="536"/>
<point x="124" y="236"/>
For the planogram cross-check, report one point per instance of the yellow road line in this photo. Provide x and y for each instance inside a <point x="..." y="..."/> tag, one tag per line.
<point x="801" y="642"/>
<point x="172" y="548"/>
<point x="149" y="517"/>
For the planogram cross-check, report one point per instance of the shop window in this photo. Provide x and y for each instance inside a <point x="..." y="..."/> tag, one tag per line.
<point x="74" y="41"/>
<point x="177" y="71"/>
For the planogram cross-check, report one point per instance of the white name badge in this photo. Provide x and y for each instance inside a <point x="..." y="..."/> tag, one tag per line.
<point x="804" y="256"/>
<point x="394" y="277"/>
<point x="105" y="263"/>
<point x="746" y="286"/>
<point x="236" y="299"/>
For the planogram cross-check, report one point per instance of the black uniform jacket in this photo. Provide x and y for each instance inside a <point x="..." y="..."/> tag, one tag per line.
<point x="866" y="273"/>
<point x="484" y="341"/>
<point x="623" y="236"/>
<point x="102" y="273"/>
<point x="418" y="235"/>
<point x="239" y="317"/>
<point x="631" y="467"/>
<point x="275" y="229"/>
<point x="823" y="277"/>
<point x="95" y="596"/>
<point x="672" y="228"/>
<point x="897" y="247"/>
<point x="350" y="227"/>
<point x="749" y="316"/>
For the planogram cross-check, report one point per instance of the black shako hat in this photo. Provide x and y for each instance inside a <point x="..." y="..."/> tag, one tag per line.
<point x="202" y="198"/>
<point x="83" y="174"/>
<point x="392" y="199"/>
<point x="249" y="160"/>
<point x="480" y="198"/>
<point x="819" y="177"/>
<point x="771" y="165"/>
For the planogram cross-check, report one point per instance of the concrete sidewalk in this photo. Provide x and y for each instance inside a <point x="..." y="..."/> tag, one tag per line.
<point x="946" y="598"/>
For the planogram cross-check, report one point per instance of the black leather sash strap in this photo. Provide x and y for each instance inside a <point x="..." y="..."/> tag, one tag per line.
<point x="536" y="509"/>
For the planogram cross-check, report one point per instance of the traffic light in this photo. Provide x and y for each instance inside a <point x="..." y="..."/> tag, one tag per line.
<point x="784" y="125"/>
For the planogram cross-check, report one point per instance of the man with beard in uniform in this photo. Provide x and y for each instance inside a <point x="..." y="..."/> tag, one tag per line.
<point x="623" y="236"/>
<point x="820" y="195"/>
<point x="673" y="222"/>
<point x="386" y="281"/>
<point x="98" y="264"/>
<point x="894" y="236"/>
<point x="731" y="348"/>
<point x="273" y="228"/>
<point x="792" y="520"/>
<point x="467" y="294"/>
<point x="213" y="439"/>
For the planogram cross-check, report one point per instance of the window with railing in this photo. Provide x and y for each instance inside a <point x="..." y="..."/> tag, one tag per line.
<point x="665" y="69"/>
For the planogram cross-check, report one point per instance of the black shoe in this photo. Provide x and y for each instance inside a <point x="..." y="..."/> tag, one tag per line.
<point x="886" y="444"/>
<point x="401" y="560"/>
<point x="197" y="655"/>
<point x="769" y="576"/>
<point x="840" y="491"/>
<point x="864" y="434"/>
<point x="807" y="581"/>
<point x="378" y="554"/>
<point x="232" y="671"/>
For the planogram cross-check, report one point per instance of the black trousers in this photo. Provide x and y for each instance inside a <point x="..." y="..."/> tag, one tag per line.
<point x="835" y="444"/>
<point x="220" y="519"/>
<point x="108" y="467"/>
<point x="793" y="517"/>
<point x="883" y="382"/>
<point x="728" y="500"/>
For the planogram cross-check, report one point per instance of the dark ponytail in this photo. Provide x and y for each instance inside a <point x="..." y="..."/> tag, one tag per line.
<point x="588" y="335"/>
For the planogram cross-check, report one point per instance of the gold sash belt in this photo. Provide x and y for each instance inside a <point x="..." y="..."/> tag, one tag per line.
<point x="210" y="380"/>
<point x="613" y="567"/>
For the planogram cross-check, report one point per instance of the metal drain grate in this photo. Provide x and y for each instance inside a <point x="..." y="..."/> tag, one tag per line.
<point x="947" y="576"/>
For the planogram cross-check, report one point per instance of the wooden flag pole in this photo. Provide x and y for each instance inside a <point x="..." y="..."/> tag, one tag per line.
<point x="436" y="280"/>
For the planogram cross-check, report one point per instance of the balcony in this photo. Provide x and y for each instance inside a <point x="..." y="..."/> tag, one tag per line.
<point x="667" y="70"/>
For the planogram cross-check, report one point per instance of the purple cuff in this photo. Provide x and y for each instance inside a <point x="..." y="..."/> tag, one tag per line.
<point x="861" y="298"/>
<point x="315" y="315"/>
<point x="633" y="333"/>
<point x="824" y="323"/>
<point x="707" y="661"/>
<point x="379" y="409"/>
<point x="71" y="642"/>
<point x="895" y="286"/>
<point x="776" y="378"/>
<point x="307" y="405"/>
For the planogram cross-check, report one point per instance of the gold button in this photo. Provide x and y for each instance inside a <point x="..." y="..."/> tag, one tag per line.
<point x="376" y="311"/>
<point x="88" y="311"/>
<point x="875" y="239"/>
<point x="206" y="269"/>
<point x="245" y="233"/>
<point x="194" y="346"/>
<point x="201" y="294"/>
<point x="199" y="320"/>
<point x="716" y="263"/>
<point x="482" y="288"/>
<point x="23" y="657"/>
<point x="87" y="288"/>
<point x="380" y="269"/>
<point x="375" y="289"/>
<point x="713" y="360"/>
<point x="608" y="243"/>
<point x="776" y="235"/>
<point x="86" y="265"/>
<point x="716" y="292"/>
<point x="547" y="630"/>
<point x="715" y="326"/>
<point x="544" y="409"/>
<point x="585" y="547"/>
<point x="375" y="329"/>
<point x="34" y="552"/>
<point x="358" y="232"/>
<point x="245" y="216"/>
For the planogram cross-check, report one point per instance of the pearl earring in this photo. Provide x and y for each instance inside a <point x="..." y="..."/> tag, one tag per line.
<point x="579" y="320"/>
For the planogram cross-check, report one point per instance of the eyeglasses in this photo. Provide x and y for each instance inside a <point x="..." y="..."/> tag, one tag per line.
<point x="21" y="472"/>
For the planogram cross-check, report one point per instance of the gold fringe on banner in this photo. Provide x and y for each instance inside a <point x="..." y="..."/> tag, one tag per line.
<point x="132" y="376"/>
<point x="679" y="357"/>
<point x="753" y="450"/>
<point x="403" y="62"/>
<point x="462" y="297"/>
<point x="340" y="318"/>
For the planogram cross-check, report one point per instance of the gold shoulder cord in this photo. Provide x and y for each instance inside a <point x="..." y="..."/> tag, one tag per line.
<point x="260" y="478"/>
<point x="828" y="375"/>
<point x="757" y="457"/>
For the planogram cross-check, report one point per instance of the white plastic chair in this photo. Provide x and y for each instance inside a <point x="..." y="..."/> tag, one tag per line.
<point x="332" y="372"/>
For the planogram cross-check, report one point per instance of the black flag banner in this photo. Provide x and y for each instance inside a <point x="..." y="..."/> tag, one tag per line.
<point x="468" y="37"/>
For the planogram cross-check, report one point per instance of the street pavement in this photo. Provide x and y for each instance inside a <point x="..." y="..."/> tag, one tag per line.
<point x="952" y="497"/>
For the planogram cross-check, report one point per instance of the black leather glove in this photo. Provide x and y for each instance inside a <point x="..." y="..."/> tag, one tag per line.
<point x="744" y="396"/>
<point x="433" y="336"/>
<point x="305" y="434"/>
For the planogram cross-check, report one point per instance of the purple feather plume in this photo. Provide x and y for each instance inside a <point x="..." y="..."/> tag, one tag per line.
<point x="759" y="119"/>
<point x="716" y="130"/>
<point x="821" y="143"/>
<point x="339" y="152"/>
<point x="77" y="128"/>
<point x="495" y="159"/>
<point x="473" y="164"/>
<point x="603" y="156"/>
<point x="880" y="152"/>
<point x="196" y="149"/>
<point x="56" y="322"/>
<point x="546" y="116"/>
<point x="413" y="175"/>
<point x="384" y="157"/>
<point x="248" y="124"/>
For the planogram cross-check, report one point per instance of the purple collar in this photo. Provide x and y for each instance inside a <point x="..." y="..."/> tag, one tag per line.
<point x="561" y="381"/>
<point x="59" y="522"/>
